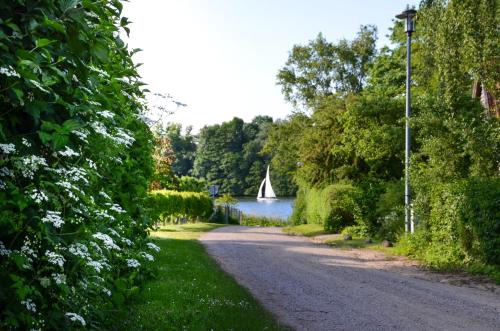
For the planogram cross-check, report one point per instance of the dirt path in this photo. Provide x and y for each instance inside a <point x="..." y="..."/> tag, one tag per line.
<point x="310" y="286"/>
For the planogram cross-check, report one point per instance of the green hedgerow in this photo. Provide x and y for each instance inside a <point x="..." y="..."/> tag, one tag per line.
<point x="75" y="159"/>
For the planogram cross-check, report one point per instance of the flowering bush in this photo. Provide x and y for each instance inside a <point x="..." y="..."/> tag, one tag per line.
<point x="75" y="159"/>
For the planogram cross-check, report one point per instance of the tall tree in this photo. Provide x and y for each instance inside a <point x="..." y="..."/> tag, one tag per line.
<point x="322" y="68"/>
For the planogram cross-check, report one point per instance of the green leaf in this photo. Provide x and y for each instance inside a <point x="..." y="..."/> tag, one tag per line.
<point x="54" y="25"/>
<point x="43" y="42"/>
<point x="71" y="125"/>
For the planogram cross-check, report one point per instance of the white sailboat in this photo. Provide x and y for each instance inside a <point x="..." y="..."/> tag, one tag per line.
<point x="266" y="191"/>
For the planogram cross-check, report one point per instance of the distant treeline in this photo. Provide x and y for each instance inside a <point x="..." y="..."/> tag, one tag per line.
<point x="231" y="155"/>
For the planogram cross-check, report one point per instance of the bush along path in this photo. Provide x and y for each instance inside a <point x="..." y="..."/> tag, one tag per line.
<point x="75" y="158"/>
<point x="190" y="292"/>
<point x="314" y="287"/>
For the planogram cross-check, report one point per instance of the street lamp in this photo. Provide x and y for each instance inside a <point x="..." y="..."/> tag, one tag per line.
<point x="408" y="15"/>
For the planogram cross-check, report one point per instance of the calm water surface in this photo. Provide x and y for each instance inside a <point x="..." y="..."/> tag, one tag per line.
<point x="278" y="208"/>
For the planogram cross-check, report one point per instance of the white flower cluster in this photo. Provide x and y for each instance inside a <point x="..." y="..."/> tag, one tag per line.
<point x="28" y="251"/>
<point x="106" y="114"/>
<point x="103" y="214"/>
<point x="147" y="256"/>
<point x="59" y="278"/>
<point x="31" y="164"/>
<point x="123" y="138"/>
<point x="70" y="189"/>
<point x="4" y="251"/>
<point x="38" y="85"/>
<point x="107" y="240"/>
<point x="7" y="148"/>
<point x="30" y="305"/>
<point x="74" y="174"/>
<point x="38" y="196"/>
<point x="81" y="134"/>
<point x="53" y="217"/>
<point x="76" y="318"/>
<point x="68" y="152"/>
<point x="104" y="195"/>
<point x="80" y="250"/>
<point x="100" y="129"/>
<point x="133" y="263"/>
<point x="9" y="72"/>
<point x="6" y="172"/>
<point x="153" y="247"/>
<point x="25" y="142"/>
<point x="98" y="265"/>
<point x="116" y="208"/>
<point x="92" y="164"/>
<point x="127" y="242"/>
<point x="55" y="258"/>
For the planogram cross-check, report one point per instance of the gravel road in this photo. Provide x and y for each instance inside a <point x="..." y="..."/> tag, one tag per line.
<point x="310" y="286"/>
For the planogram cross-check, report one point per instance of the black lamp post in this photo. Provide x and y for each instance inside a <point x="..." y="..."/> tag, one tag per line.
<point x="408" y="15"/>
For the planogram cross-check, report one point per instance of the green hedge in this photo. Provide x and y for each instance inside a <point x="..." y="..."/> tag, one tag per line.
<point x="460" y="226"/>
<point x="335" y="206"/>
<point x="167" y="203"/>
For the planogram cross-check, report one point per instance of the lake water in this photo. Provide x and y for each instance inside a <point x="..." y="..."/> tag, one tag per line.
<point x="276" y="208"/>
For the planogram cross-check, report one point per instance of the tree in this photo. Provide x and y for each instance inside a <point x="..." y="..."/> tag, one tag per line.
<point x="183" y="147"/>
<point x="322" y="68"/>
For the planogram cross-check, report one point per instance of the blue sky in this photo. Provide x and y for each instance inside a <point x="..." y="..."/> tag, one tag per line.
<point x="221" y="57"/>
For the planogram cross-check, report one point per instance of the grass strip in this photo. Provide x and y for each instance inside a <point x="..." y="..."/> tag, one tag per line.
<point x="191" y="292"/>
<point x="308" y="230"/>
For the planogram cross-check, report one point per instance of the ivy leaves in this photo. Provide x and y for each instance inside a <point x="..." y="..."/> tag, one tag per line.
<point x="55" y="135"/>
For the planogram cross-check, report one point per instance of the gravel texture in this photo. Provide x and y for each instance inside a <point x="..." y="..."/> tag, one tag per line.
<point x="310" y="286"/>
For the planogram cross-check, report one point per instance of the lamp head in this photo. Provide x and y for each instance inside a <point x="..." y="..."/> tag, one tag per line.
<point x="409" y="16"/>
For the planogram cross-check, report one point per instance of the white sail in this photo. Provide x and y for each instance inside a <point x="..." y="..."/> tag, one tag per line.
<point x="268" y="192"/>
<point x="261" y="194"/>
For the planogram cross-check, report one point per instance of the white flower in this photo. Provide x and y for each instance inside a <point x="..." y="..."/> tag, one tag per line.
<point x="123" y="138"/>
<point x="6" y="172"/>
<point x="75" y="317"/>
<point x="82" y="134"/>
<point x="147" y="256"/>
<point x="38" y="85"/>
<point x="4" y="251"/>
<point x="106" y="114"/>
<point x="133" y="263"/>
<point x="38" y="196"/>
<point x="153" y="247"/>
<point x="26" y="142"/>
<point x="30" y="305"/>
<point x="55" y="258"/>
<point x="9" y="72"/>
<point x="104" y="195"/>
<point x="107" y="292"/>
<point x="53" y="217"/>
<point x="68" y="152"/>
<point x="128" y="242"/>
<point x="7" y="148"/>
<point x="107" y="240"/>
<point x="91" y="164"/>
<point x="31" y="164"/>
<point x="2" y="185"/>
<point x="116" y="208"/>
<point x="59" y="278"/>
<point x="96" y="265"/>
<point x="80" y="250"/>
<point x="100" y="128"/>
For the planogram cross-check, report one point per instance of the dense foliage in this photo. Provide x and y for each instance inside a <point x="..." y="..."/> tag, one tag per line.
<point x="231" y="155"/>
<point x="190" y="205"/>
<point x="352" y="140"/>
<point x="75" y="159"/>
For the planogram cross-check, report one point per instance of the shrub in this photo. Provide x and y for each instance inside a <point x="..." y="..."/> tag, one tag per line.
<point x="390" y="211"/>
<point x="192" y="205"/>
<point x="75" y="159"/>
<point x="251" y="220"/>
<point x="356" y="230"/>
<point x="461" y="225"/>
<point x="192" y="184"/>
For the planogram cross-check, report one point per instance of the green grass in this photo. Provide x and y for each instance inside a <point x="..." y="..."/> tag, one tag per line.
<point x="190" y="291"/>
<point x="308" y="230"/>
<point x="251" y="220"/>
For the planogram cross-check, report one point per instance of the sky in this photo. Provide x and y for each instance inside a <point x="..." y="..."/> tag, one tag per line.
<point x="221" y="57"/>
